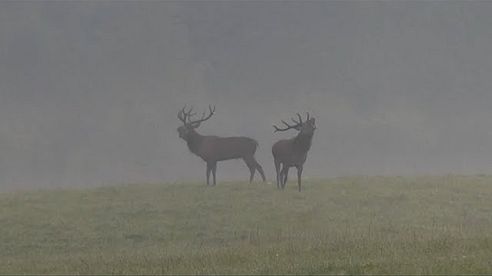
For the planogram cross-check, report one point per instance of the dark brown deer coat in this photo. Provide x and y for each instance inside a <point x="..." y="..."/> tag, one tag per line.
<point x="292" y="152"/>
<point x="213" y="149"/>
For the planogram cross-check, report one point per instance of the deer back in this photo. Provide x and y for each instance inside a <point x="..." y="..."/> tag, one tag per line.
<point x="214" y="148"/>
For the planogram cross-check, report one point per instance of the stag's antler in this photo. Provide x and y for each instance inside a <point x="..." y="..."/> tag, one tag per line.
<point x="196" y="123"/>
<point x="184" y="115"/>
<point x="297" y="123"/>
<point x="181" y="115"/>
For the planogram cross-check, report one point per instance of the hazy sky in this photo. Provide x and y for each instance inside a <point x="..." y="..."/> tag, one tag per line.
<point x="89" y="90"/>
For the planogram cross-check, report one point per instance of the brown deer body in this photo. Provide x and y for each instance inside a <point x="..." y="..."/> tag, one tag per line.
<point x="213" y="149"/>
<point x="292" y="152"/>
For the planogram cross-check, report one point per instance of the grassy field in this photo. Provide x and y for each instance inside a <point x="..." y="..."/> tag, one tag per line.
<point x="352" y="225"/>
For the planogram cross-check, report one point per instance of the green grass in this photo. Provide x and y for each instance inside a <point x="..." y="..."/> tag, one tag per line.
<point x="353" y="225"/>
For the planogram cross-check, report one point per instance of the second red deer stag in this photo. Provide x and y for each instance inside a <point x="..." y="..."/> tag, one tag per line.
<point x="292" y="152"/>
<point x="213" y="148"/>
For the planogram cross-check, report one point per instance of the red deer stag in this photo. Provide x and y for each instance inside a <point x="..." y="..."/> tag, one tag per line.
<point x="213" y="148"/>
<point x="293" y="152"/>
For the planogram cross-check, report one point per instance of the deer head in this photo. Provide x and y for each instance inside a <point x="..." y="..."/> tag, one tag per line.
<point x="190" y="125"/>
<point x="305" y="128"/>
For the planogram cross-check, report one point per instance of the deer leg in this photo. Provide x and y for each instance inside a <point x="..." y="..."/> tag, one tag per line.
<point x="286" y="176"/>
<point x="277" y="171"/>
<point x="299" y="174"/>
<point x="214" y="169"/>
<point x="251" y="174"/>
<point x="284" y="173"/>
<point x="260" y="170"/>
<point x="251" y="166"/>
<point x="209" y="168"/>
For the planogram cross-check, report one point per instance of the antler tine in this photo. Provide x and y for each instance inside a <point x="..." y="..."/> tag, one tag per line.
<point x="300" y="118"/>
<point x="181" y="115"/>
<point x="205" y="117"/>
<point x="307" y="119"/>
<point x="184" y="115"/>
<point x="189" y="111"/>
<point x="287" y="126"/>
<point x="211" y="111"/>
<point x="188" y="114"/>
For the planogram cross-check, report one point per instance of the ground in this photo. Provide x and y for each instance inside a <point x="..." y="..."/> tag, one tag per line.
<point x="350" y="225"/>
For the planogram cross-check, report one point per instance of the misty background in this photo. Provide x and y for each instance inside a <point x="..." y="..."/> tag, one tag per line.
<point x="89" y="91"/>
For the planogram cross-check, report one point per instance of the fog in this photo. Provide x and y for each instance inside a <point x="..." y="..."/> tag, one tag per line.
<point x="89" y="91"/>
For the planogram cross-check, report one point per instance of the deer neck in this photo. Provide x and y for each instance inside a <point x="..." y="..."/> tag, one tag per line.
<point x="194" y="141"/>
<point x="303" y="141"/>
